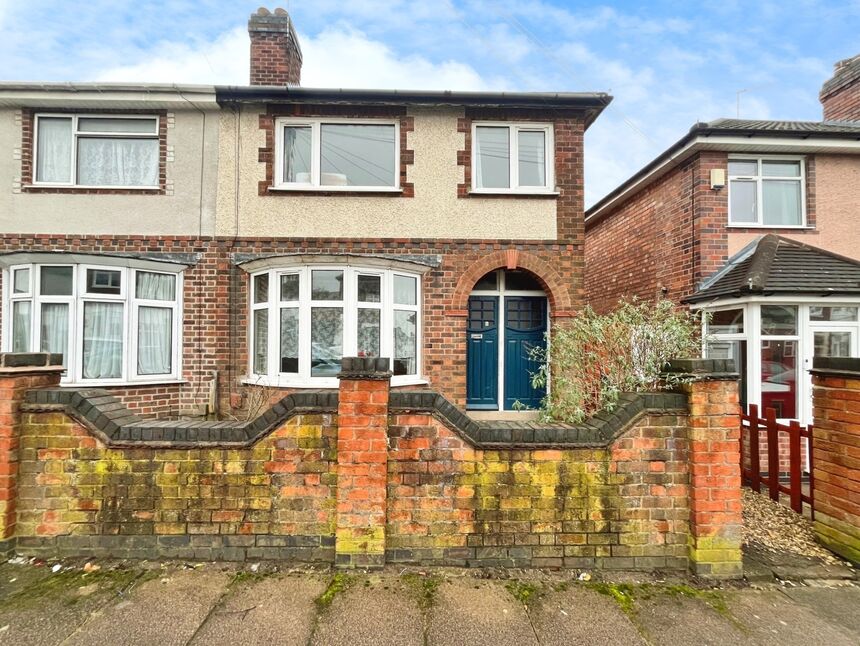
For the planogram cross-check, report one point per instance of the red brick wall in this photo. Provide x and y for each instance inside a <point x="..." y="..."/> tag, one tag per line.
<point x="668" y="237"/>
<point x="215" y="318"/>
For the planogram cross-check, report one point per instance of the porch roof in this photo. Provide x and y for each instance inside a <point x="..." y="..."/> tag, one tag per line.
<point x="773" y="265"/>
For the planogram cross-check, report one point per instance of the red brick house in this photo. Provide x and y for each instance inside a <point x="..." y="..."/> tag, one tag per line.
<point x="192" y="248"/>
<point x="737" y="218"/>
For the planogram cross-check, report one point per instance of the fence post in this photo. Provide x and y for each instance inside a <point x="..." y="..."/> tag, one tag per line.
<point x="835" y="438"/>
<point x="755" y="457"/>
<point x="715" y="469"/>
<point x="794" y="466"/>
<point x="362" y="462"/>
<point x="772" y="454"/>
<point x="19" y="372"/>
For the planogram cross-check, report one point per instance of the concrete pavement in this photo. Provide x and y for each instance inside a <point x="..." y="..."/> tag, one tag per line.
<point x="141" y="603"/>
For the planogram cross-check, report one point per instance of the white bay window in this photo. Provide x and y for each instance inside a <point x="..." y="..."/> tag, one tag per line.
<point x="305" y="319"/>
<point x="117" y="151"/>
<point x="112" y="324"/>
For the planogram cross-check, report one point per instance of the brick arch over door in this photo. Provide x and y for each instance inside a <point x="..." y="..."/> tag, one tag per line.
<point x="553" y="284"/>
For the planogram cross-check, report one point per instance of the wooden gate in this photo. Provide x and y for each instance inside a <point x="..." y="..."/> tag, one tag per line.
<point x="776" y="438"/>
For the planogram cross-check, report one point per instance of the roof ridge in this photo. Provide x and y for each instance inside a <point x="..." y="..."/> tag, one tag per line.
<point x="761" y="262"/>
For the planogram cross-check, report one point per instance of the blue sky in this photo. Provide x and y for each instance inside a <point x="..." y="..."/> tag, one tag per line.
<point x="668" y="64"/>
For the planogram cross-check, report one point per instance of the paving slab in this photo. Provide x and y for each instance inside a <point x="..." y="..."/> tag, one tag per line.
<point x="275" y="610"/>
<point x="675" y="619"/>
<point x="838" y="604"/>
<point x="772" y="617"/>
<point x="476" y="612"/>
<point x="166" y="610"/>
<point x="582" y="616"/>
<point x="42" y="607"/>
<point x="372" y="610"/>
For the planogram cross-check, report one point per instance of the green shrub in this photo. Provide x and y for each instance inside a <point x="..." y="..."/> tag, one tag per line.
<point x="593" y="358"/>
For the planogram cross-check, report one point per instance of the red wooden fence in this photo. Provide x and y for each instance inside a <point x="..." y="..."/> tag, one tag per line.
<point x="751" y="428"/>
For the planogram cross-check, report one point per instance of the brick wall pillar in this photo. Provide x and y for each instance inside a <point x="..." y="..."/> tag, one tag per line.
<point x="362" y="462"/>
<point x="714" y="459"/>
<point x="836" y="454"/>
<point x="19" y="372"/>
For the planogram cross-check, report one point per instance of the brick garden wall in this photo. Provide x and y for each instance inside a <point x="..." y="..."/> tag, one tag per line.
<point x="836" y="449"/>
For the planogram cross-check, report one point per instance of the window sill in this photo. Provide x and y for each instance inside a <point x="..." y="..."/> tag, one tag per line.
<point x="322" y="382"/>
<point x="478" y="192"/>
<point x="65" y="188"/>
<point x="334" y="190"/>
<point x="106" y="383"/>
<point x="794" y="227"/>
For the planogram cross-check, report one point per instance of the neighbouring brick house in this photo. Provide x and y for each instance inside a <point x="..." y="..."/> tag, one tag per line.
<point x="192" y="248"/>
<point x="742" y="218"/>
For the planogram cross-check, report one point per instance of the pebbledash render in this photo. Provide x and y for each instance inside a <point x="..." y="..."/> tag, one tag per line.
<point x="201" y="250"/>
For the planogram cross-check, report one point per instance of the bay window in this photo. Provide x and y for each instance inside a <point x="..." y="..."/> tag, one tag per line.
<point x="96" y="151"/>
<point x="766" y="192"/>
<point x="337" y="154"/>
<point x="512" y="157"/>
<point x="305" y="319"/>
<point x="112" y="324"/>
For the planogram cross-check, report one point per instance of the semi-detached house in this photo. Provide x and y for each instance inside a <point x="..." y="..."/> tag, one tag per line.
<point x="194" y="248"/>
<point x="757" y="223"/>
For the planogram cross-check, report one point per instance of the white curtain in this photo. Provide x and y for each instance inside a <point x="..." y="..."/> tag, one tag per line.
<point x="55" y="329"/>
<point x="54" y="151"/>
<point x="21" y="326"/>
<point x="154" y="336"/>
<point x="781" y="202"/>
<point x="103" y="340"/>
<point x="105" y="161"/>
<point x="155" y="287"/>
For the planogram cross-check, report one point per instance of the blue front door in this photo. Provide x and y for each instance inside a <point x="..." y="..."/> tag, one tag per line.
<point x="482" y="353"/>
<point x="525" y="329"/>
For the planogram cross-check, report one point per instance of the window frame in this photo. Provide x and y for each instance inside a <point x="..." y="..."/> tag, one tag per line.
<point x="514" y="128"/>
<point x="75" y="302"/>
<point x="349" y="305"/>
<point x="314" y="185"/>
<point x="75" y="118"/>
<point x="759" y="180"/>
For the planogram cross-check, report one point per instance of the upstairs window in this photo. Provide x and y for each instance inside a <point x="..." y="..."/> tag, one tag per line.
<point x="766" y="192"/>
<point x="512" y="157"/>
<point x="335" y="155"/>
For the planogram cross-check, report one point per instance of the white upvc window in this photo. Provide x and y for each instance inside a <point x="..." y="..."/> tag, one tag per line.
<point x="767" y="191"/>
<point x="304" y="320"/>
<point x="337" y="154"/>
<point x="112" y="324"/>
<point x="512" y="157"/>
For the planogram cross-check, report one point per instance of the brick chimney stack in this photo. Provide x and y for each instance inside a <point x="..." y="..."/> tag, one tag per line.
<point x="276" y="58"/>
<point x="840" y="96"/>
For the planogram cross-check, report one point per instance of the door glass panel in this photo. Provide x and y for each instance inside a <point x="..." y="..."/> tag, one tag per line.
<point x="290" y="339"/>
<point x="489" y="281"/>
<point x="368" y="332"/>
<point x="525" y="314"/>
<point x="779" y="320"/>
<point x="779" y="377"/>
<point x="482" y="314"/>
<point x="405" y="342"/>
<point x="833" y="344"/>
<point x="821" y="313"/>
<point x="326" y="340"/>
<point x="327" y="285"/>
<point x="726" y="322"/>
